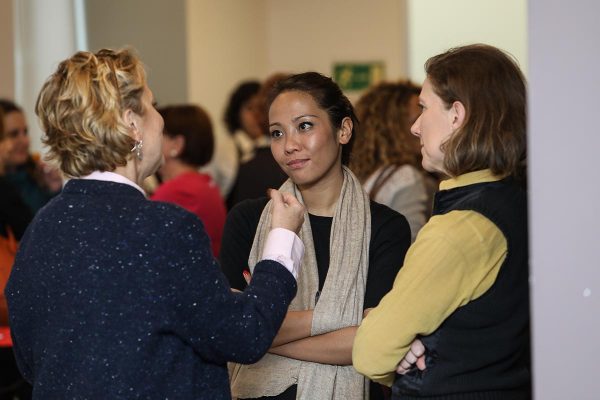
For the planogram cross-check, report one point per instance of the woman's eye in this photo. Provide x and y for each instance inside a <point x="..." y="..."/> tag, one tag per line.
<point x="276" y="134"/>
<point x="13" y="134"/>
<point x="304" y="126"/>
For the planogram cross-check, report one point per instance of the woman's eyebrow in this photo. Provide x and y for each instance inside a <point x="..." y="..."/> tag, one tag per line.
<point x="304" y="115"/>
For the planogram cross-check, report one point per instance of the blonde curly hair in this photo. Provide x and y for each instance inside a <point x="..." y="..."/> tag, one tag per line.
<point x="385" y="129"/>
<point x="81" y="106"/>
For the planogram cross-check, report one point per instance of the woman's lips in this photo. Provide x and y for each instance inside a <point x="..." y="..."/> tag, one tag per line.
<point x="296" y="164"/>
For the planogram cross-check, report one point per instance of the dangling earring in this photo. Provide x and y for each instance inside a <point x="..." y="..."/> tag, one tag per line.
<point x="137" y="148"/>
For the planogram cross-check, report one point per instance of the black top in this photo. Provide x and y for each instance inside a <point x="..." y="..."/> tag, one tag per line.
<point x="14" y="213"/>
<point x="255" y="176"/>
<point x="113" y="296"/>
<point x="481" y="351"/>
<point x="390" y="238"/>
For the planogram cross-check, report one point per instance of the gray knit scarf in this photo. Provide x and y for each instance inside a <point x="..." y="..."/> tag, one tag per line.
<point x="340" y="303"/>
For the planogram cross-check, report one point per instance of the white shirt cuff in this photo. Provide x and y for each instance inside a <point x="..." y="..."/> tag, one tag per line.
<point x="285" y="247"/>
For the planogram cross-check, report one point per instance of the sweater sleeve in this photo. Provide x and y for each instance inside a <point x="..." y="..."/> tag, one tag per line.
<point x="221" y="325"/>
<point x="455" y="259"/>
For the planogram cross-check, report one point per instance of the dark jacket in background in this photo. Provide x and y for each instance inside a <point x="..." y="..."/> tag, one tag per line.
<point x="14" y="213"/>
<point x="256" y="176"/>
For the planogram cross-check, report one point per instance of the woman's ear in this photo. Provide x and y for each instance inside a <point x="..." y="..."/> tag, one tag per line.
<point x="178" y="144"/>
<point x="131" y="120"/>
<point x="345" y="131"/>
<point x="458" y="114"/>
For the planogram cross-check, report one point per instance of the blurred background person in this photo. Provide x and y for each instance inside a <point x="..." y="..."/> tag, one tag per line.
<point x="261" y="171"/>
<point x="36" y="181"/>
<point x="115" y="296"/>
<point x="188" y="144"/>
<point x="242" y="120"/>
<point x="14" y="218"/>
<point x="387" y="157"/>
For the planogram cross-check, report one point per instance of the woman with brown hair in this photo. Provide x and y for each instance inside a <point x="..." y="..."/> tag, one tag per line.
<point x="188" y="144"/>
<point x="459" y="308"/>
<point x="387" y="157"/>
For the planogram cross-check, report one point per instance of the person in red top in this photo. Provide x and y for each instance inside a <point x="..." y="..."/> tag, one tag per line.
<point x="187" y="145"/>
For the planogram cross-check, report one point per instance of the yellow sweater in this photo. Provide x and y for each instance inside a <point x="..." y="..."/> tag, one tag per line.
<point x="454" y="260"/>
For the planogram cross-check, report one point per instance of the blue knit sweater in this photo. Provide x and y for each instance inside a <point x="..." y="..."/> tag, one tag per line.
<point x="113" y="296"/>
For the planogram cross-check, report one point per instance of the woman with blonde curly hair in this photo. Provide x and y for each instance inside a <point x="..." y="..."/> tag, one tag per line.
<point x="115" y="296"/>
<point x="387" y="157"/>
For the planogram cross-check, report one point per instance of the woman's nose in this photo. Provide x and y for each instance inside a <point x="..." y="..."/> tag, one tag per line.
<point x="415" y="129"/>
<point x="291" y="143"/>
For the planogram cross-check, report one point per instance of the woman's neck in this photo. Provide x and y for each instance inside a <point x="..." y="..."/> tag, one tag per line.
<point x="321" y="198"/>
<point x="131" y="172"/>
<point x="173" y="168"/>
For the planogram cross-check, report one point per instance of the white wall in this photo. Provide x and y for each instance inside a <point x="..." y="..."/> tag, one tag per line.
<point x="564" y="143"/>
<point x="314" y="34"/>
<point x="7" y="66"/>
<point x="39" y="50"/>
<point x="159" y="36"/>
<point x="437" y="25"/>
<point x="226" y="44"/>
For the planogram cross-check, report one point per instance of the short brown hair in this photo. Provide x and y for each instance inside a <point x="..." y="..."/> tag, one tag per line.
<point x="385" y="137"/>
<point x="193" y="123"/>
<point x="80" y="109"/>
<point x="491" y="87"/>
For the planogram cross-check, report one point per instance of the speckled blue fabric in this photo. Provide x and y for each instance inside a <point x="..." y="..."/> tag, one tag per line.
<point x="113" y="296"/>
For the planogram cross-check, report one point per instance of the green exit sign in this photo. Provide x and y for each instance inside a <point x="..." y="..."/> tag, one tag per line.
<point x="358" y="76"/>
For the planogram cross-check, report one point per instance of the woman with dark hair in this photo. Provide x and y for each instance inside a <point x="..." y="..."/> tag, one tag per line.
<point x="14" y="218"/>
<point x="387" y="157"/>
<point x="242" y="120"/>
<point x="188" y="144"/>
<point x="37" y="182"/>
<point x="459" y="308"/>
<point x="113" y="296"/>
<point x="260" y="171"/>
<point x="354" y="248"/>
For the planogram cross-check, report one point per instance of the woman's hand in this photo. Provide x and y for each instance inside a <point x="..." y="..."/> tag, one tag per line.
<point x="415" y="355"/>
<point x="288" y="213"/>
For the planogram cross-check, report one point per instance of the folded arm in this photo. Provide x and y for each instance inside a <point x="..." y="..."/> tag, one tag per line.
<point x="454" y="261"/>
<point x="334" y="348"/>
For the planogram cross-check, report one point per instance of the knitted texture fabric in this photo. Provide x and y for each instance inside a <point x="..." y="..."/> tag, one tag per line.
<point x="113" y="296"/>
